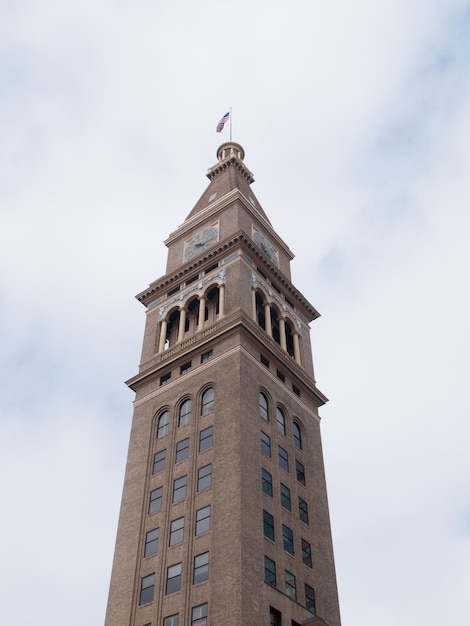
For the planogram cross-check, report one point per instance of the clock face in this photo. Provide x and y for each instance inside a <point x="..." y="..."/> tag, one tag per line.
<point x="268" y="249"/>
<point x="201" y="241"/>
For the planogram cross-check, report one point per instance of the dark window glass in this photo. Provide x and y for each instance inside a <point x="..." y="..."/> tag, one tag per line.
<point x="297" y="435"/>
<point x="176" y="531"/>
<point x="201" y="568"/>
<point x="290" y="585"/>
<point x="155" y="503"/>
<point x="280" y="421"/>
<point x="303" y="510"/>
<point x="275" y="618"/>
<point x="310" y="599"/>
<point x="263" y="406"/>
<point x="285" y="497"/>
<point x="204" y="477"/>
<point x="179" y="488"/>
<point x="159" y="462"/>
<point x="182" y="450"/>
<point x="265" y="444"/>
<point x="268" y="525"/>
<point x="203" y="520"/>
<point x="171" y="620"/>
<point x="205" y="439"/>
<point x="165" y="379"/>
<point x="264" y="361"/>
<point x="300" y="471"/>
<point x="173" y="578"/>
<point x="207" y="356"/>
<point x="267" y="482"/>
<point x="296" y="390"/>
<point x="163" y="422"/>
<point x="283" y="459"/>
<point x="288" y="539"/>
<point x="207" y="402"/>
<point x="187" y="366"/>
<point x="185" y="413"/>
<point x="281" y="376"/>
<point x="147" y="587"/>
<point x="269" y="571"/>
<point x="151" y="542"/>
<point x="306" y="553"/>
<point x="198" y="615"/>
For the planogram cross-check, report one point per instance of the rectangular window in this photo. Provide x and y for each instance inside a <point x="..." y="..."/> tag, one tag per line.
<point x="155" y="503"/>
<point x="151" y="542"/>
<point x="204" y="477"/>
<point x="296" y="390"/>
<point x="159" y="462"/>
<point x="281" y="376"/>
<point x="165" y="379"/>
<point x="285" y="497"/>
<point x="264" y="361"/>
<point x="303" y="511"/>
<point x="182" y="450"/>
<point x="269" y="571"/>
<point x="288" y="539"/>
<point x="275" y="618"/>
<point x="201" y="568"/>
<point x="310" y="599"/>
<point x="147" y="587"/>
<point x="283" y="458"/>
<point x="203" y="520"/>
<point x="266" y="444"/>
<point x="199" y="615"/>
<point x="176" y="531"/>
<point x="290" y="588"/>
<point x="300" y="471"/>
<point x="173" y="578"/>
<point x="306" y="553"/>
<point x="207" y="356"/>
<point x="267" y="482"/>
<point x="179" y="488"/>
<point x="185" y="368"/>
<point x="171" y="620"/>
<point x="268" y="525"/>
<point x="205" y="439"/>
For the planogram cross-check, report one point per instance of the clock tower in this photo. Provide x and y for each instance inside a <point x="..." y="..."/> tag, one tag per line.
<point x="224" y="516"/>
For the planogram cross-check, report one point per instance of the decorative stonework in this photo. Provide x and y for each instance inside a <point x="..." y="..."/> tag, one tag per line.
<point x="218" y="276"/>
<point x="255" y="280"/>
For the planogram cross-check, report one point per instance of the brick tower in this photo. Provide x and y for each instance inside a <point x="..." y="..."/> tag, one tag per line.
<point x="224" y="516"/>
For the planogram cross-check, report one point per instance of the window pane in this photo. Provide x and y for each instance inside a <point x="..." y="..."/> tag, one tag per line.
<point x="182" y="450"/>
<point x="159" y="461"/>
<point x="207" y="403"/>
<point x="263" y="406"/>
<point x="172" y="620"/>
<point x="275" y="617"/>
<point x="198" y="615"/>
<point x="205" y="439"/>
<point x="173" y="578"/>
<point x="310" y="599"/>
<point x="267" y="482"/>
<point x="177" y="531"/>
<point x="297" y="434"/>
<point x="268" y="525"/>
<point x="151" y="542"/>
<point x="201" y="568"/>
<point x="290" y="585"/>
<point x="300" y="471"/>
<point x="280" y="421"/>
<point x="269" y="571"/>
<point x="204" y="477"/>
<point x="163" y="422"/>
<point x="155" y="503"/>
<point x="179" y="489"/>
<point x="303" y="511"/>
<point x="266" y="444"/>
<point x="285" y="497"/>
<point x="203" y="520"/>
<point x="283" y="459"/>
<point x="146" y="589"/>
<point x="288" y="539"/>
<point x="306" y="553"/>
<point x="185" y="413"/>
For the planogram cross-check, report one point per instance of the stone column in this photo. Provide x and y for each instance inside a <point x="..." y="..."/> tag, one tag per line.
<point x="267" y="315"/>
<point x="163" y="327"/>
<point x="182" y="324"/>
<point x="282" y="332"/>
<point x="202" y="313"/>
<point x="221" y="300"/>
<point x="296" y="348"/>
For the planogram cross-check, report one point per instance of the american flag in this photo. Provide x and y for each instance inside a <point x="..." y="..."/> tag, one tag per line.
<point x="220" y="125"/>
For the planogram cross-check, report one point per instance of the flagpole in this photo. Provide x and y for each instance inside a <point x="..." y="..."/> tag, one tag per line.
<point x="230" y="123"/>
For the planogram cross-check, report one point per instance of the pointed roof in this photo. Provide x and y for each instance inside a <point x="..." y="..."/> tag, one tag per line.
<point x="227" y="174"/>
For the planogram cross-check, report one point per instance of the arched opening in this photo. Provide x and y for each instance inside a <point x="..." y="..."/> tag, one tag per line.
<point x="263" y="406"/>
<point x="276" y="333"/>
<point x="163" y="424"/>
<point x="192" y="316"/>
<point x="172" y="329"/>
<point x="212" y="305"/>
<point x="280" y="421"/>
<point x="185" y="413"/>
<point x="260" y="318"/>
<point x="289" y="338"/>
<point x="207" y="401"/>
<point x="297" y="435"/>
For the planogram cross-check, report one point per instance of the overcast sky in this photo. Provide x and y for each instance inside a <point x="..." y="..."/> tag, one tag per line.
<point x="355" y="121"/>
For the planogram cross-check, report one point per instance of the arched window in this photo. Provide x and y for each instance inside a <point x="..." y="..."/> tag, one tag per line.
<point x="192" y="316"/>
<point x="263" y="406"/>
<point x="185" y="413"/>
<point x="297" y="434"/>
<point x="172" y="329"/>
<point x="162" y="427"/>
<point x="260" y="310"/>
<point x="289" y="338"/>
<point x="275" y="325"/>
<point x="207" y="401"/>
<point x="281" y="421"/>
<point x="212" y="305"/>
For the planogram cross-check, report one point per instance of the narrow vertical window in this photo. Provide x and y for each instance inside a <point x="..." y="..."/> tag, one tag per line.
<point x="179" y="488"/>
<point x="201" y="568"/>
<point x="159" y="462"/>
<point x="205" y="439"/>
<point x="263" y="406"/>
<point x="204" y="477"/>
<point x="182" y="450"/>
<point x="288" y="539"/>
<point x="207" y="401"/>
<point x="285" y="497"/>
<point x="155" y="503"/>
<point x="203" y="520"/>
<point x="173" y="578"/>
<point x="303" y="511"/>
<point x="280" y="421"/>
<point x="310" y="599"/>
<point x="275" y="617"/>
<point x="177" y="531"/>
<point x="297" y="435"/>
<point x="185" y="413"/>
<point x="283" y="458"/>
<point x="266" y="444"/>
<point x="199" y="615"/>
<point x="163" y="421"/>
<point x="267" y="482"/>
<point x="151" y="542"/>
<point x="306" y="553"/>
<point x="290" y="588"/>
<point x="300" y="472"/>
<point x="268" y="525"/>
<point x="147" y="587"/>
<point x="269" y="571"/>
